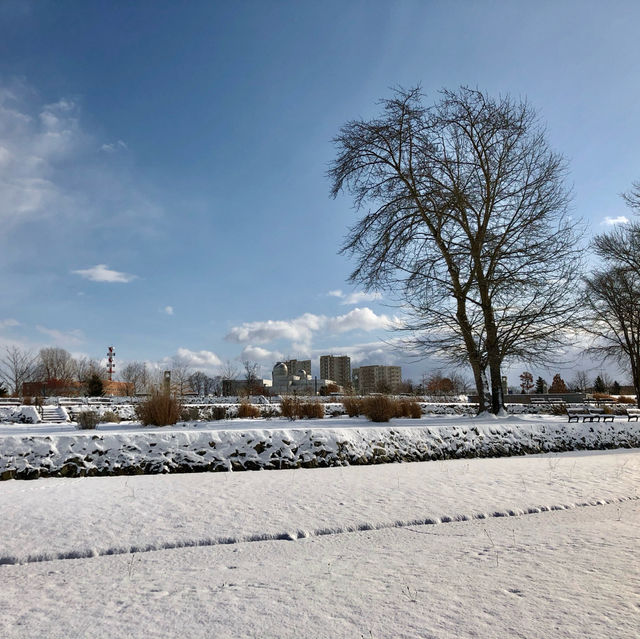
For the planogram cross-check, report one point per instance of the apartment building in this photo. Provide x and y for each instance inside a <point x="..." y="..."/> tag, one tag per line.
<point x="336" y="368"/>
<point x="374" y="379"/>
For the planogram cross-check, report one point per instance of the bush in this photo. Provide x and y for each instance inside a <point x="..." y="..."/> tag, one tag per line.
<point x="87" y="420"/>
<point x="109" y="416"/>
<point x="352" y="406"/>
<point x="190" y="414"/>
<point x="379" y="408"/>
<point x="269" y="411"/>
<point x="415" y="410"/>
<point x="248" y="410"/>
<point x="623" y="399"/>
<point x="217" y="413"/>
<point x="312" y="410"/>
<point x="603" y="397"/>
<point x="27" y="401"/>
<point x="159" y="409"/>
<point x="290" y="408"/>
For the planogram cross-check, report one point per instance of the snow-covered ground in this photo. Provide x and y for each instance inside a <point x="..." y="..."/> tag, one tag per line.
<point x="533" y="546"/>
<point x="29" y="451"/>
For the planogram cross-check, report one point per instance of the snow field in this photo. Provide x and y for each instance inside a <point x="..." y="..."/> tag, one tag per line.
<point x="83" y="517"/>
<point x="567" y="574"/>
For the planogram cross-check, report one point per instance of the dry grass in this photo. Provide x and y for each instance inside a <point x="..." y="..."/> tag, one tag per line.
<point x="87" y="420"/>
<point x="623" y="399"/>
<point x="247" y="410"/>
<point x="159" y="409"/>
<point x="379" y="408"/>
<point x="352" y="406"/>
<point x="312" y="410"/>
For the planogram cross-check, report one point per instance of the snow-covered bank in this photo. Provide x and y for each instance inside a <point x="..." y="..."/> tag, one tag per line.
<point x="130" y="450"/>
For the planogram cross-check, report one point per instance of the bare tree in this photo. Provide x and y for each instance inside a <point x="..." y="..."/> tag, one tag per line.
<point x="180" y="374"/>
<point x="85" y="367"/>
<point x="202" y="384"/>
<point x="56" y="364"/>
<point x="251" y="370"/>
<point x="136" y="376"/>
<point x="229" y="370"/>
<point x="466" y="224"/>
<point x="580" y="381"/>
<point x="614" y="299"/>
<point x="17" y="366"/>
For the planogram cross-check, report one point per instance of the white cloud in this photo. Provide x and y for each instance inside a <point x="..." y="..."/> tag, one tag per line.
<point x="120" y="145"/>
<point x="611" y="221"/>
<point x="355" y="298"/>
<point x="101" y="273"/>
<point x="197" y="359"/>
<point x="262" y="355"/>
<point x="301" y="330"/>
<point x="8" y="323"/>
<point x="168" y="310"/>
<point x="73" y="337"/>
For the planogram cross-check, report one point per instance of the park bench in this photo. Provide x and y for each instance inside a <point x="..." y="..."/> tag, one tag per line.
<point x="588" y="414"/>
<point x="632" y="413"/>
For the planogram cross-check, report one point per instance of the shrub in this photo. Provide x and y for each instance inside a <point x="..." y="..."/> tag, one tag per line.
<point x="353" y="406"/>
<point x="248" y="410"/>
<point x="159" y="409"/>
<point x="217" y="412"/>
<point x="379" y="408"/>
<point x="312" y="410"/>
<point x="623" y="399"/>
<point x="109" y="416"/>
<point x="401" y="408"/>
<point x="269" y="411"/>
<point x="603" y="397"/>
<point x="189" y="414"/>
<point x="27" y="401"/>
<point x="290" y="408"/>
<point x="87" y="420"/>
<point x="415" y="410"/>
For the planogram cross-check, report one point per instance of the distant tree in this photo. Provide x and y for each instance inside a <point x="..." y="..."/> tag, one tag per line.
<point x="557" y="385"/>
<point x="615" y="388"/>
<point x="94" y="386"/>
<point x="598" y="385"/>
<point x="56" y="364"/>
<point x="438" y="384"/>
<point x="180" y="374"/>
<point x="229" y="371"/>
<point x="580" y="381"/>
<point x="251" y="370"/>
<point x="3" y="391"/>
<point x="202" y="384"/>
<point x="526" y="382"/>
<point x="17" y="366"/>
<point x="540" y="384"/>
<point x="136" y="376"/>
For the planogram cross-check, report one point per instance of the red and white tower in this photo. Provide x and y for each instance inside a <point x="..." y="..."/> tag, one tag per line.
<point x="111" y="363"/>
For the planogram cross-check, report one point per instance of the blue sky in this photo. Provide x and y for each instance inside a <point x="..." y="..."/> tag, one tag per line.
<point x="162" y="164"/>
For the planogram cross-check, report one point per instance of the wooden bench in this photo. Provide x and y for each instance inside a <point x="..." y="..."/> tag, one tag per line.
<point x="632" y="413"/>
<point x="589" y="414"/>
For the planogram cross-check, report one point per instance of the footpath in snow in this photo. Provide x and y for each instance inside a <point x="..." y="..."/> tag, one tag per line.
<point x="83" y="517"/>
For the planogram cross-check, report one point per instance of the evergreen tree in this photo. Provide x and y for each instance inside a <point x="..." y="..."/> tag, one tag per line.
<point x="598" y="385"/>
<point x="3" y="391"/>
<point x="615" y="388"/>
<point x="95" y="387"/>
<point x="540" y="384"/>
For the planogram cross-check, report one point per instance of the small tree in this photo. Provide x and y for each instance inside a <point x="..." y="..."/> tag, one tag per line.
<point x="540" y="384"/>
<point x="558" y="385"/>
<point x="598" y="385"/>
<point x="526" y="382"/>
<point x="3" y="391"/>
<point x="94" y="386"/>
<point x="615" y="388"/>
